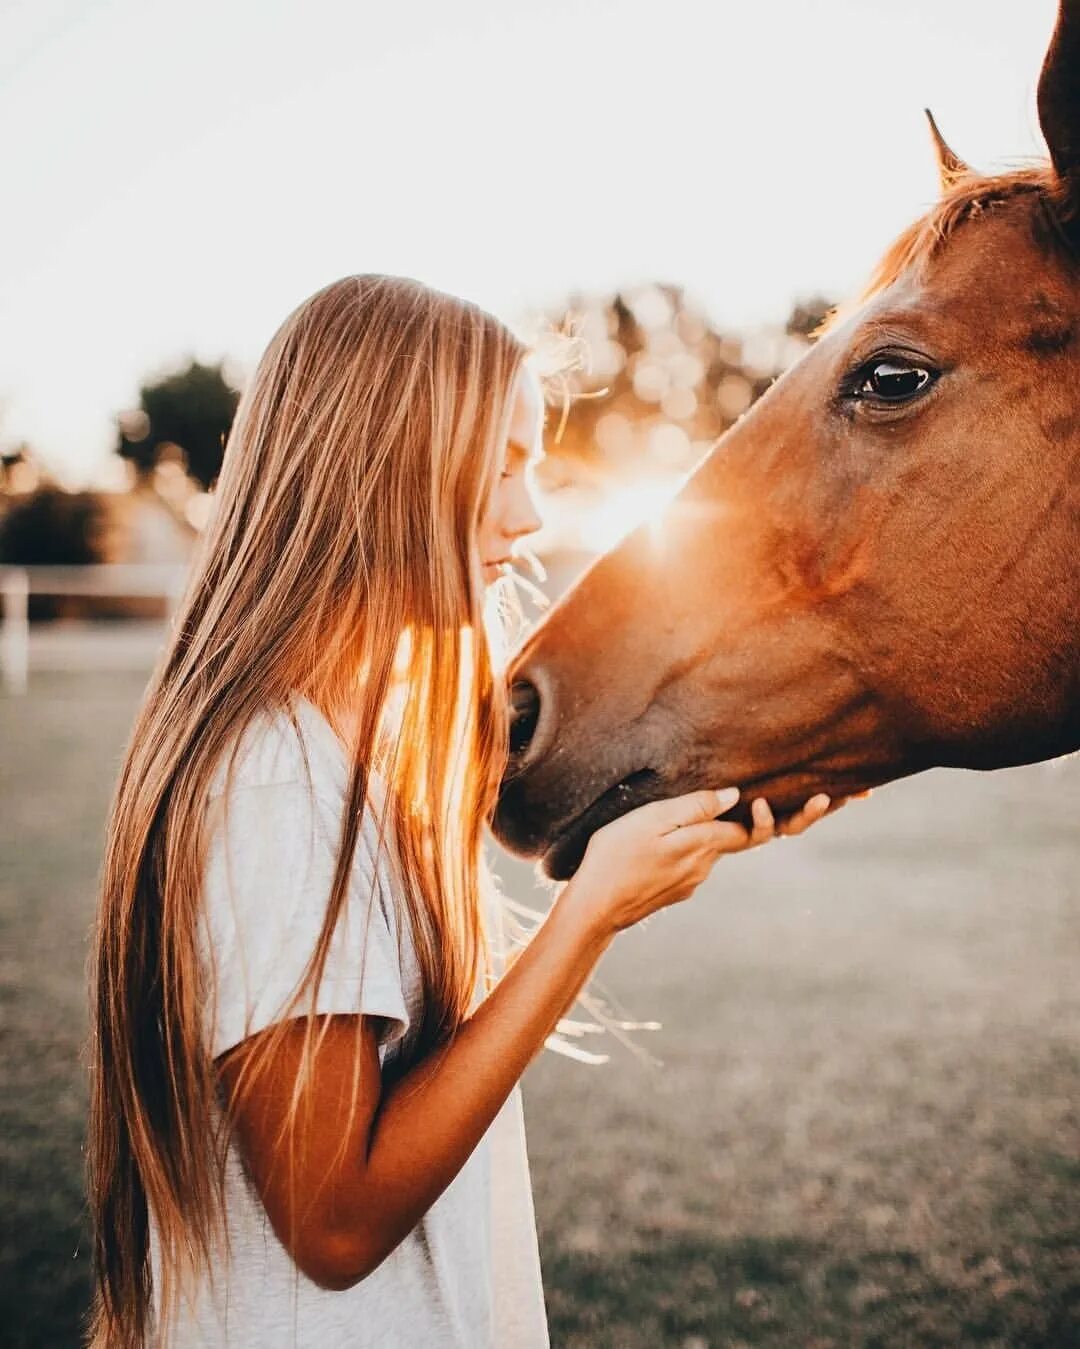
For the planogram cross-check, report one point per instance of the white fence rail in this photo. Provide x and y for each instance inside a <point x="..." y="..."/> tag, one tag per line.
<point x="109" y="580"/>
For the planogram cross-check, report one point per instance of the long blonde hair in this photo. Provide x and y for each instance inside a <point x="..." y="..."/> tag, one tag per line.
<point x="343" y="545"/>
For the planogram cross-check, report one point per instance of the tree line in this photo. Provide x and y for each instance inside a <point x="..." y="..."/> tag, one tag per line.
<point x="651" y="384"/>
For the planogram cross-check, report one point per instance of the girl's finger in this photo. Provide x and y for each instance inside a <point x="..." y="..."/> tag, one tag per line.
<point x="763" y="821"/>
<point x="728" y="837"/>
<point x="682" y="812"/>
<point x="711" y="836"/>
<point x="813" y="811"/>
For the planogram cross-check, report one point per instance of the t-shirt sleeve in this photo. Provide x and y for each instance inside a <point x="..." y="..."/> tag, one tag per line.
<point x="269" y="870"/>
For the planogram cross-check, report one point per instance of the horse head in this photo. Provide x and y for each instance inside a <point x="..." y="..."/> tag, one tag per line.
<point x="876" y="570"/>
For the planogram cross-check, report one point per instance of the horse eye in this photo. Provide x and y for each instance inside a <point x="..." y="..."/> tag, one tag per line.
<point x="893" y="381"/>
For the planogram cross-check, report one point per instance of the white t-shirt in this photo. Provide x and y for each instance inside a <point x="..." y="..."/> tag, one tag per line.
<point x="468" y="1274"/>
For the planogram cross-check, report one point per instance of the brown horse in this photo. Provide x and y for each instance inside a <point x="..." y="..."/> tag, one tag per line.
<point x="877" y="570"/>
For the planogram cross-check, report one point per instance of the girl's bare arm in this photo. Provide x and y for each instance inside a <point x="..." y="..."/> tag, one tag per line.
<point x="361" y="1171"/>
<point x="355" y="1191"/>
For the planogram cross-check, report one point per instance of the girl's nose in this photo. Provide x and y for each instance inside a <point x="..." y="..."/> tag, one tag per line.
<point x="524" y="519"/>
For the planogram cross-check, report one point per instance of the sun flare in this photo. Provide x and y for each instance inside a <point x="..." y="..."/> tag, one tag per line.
<point x="626" y="507"/>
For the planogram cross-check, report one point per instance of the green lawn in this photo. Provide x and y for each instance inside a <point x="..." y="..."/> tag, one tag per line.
<point x="866" y="1128"/>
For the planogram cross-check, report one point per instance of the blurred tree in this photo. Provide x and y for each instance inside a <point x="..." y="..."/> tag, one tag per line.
<point x="51" y="527"/>
<point x="190" y="413"/>
<point x="20" y="471"/>
<point x="657" y="383"/>
<point x="807" y="316"/>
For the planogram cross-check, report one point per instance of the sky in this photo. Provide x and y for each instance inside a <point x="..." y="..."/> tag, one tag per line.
<point x="177" y="177"/>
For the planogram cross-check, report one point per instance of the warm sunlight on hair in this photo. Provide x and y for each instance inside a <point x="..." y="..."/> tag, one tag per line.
<point x="330" y="565"/>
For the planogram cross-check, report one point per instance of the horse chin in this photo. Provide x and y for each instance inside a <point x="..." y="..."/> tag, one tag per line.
<point x="562" y="856"/>
<point x="565" y="855"/>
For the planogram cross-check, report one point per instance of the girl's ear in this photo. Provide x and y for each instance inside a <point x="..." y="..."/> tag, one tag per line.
<point x="1059" y="109"/>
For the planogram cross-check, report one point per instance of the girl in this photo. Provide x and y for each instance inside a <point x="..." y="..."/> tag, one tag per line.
<point x="305" y="1123"/>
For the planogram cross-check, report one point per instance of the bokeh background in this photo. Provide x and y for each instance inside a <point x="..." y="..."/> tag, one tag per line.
<point x="860" y="1121"/>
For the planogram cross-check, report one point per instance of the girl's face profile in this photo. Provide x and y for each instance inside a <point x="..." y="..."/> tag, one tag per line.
<point x="511" y="511"/>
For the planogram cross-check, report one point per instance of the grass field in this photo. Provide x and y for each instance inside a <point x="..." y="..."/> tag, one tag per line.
<point x="866" y="1128"/>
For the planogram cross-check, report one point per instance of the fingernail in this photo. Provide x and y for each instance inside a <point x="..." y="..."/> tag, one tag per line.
<point x="726" y="798"/>
<point x="821" y="801"/>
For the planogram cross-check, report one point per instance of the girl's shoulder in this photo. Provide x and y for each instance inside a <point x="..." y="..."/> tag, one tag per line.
<point x="284" y="745"/>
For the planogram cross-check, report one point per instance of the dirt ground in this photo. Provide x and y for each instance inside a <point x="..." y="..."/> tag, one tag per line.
<point x="865" y="1129"/>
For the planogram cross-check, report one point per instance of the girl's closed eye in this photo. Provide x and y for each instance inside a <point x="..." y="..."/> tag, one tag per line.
<point x="510" y="513"/>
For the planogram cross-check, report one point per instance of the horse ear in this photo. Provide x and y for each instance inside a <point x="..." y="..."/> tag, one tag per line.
<point x="1059" y="103"/>
<point x="950" y="165"/>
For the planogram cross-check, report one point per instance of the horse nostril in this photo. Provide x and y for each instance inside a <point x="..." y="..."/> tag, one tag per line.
<point x="524" y="715"/>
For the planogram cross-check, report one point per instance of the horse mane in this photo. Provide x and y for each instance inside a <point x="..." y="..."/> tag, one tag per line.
<point x="968" y="197"/>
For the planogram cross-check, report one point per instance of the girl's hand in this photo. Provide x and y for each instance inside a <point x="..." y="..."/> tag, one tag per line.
<point x="660" y="853"/>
